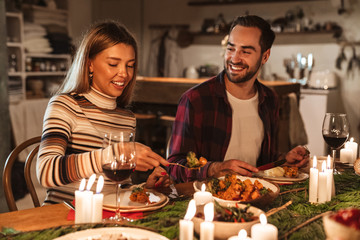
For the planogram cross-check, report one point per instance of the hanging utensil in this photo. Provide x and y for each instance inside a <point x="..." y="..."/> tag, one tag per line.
<point x="340" y="59"/>
<point x="353" y="61"/>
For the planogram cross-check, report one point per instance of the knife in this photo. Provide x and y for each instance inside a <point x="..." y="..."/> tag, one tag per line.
<point x="272" y="165"/>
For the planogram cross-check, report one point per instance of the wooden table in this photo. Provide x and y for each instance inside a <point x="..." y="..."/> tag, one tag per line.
<point x="56" y="215"/>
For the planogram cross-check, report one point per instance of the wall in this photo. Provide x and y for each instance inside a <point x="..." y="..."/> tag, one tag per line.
<point x="139" y="14"/>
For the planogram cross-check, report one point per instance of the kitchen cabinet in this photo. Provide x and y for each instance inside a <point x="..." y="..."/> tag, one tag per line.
<point x="31" y="75"/>
<point x="314" y="103"/>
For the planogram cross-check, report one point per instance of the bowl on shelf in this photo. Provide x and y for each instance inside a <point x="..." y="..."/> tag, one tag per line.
<point x="337" y="224"/>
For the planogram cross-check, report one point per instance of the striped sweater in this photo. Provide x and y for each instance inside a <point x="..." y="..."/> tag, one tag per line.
<point x="73" y="130"/>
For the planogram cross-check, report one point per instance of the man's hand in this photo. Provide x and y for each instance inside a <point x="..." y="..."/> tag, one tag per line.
<point x="298" y="156"/>
<point x="217" y="169"/>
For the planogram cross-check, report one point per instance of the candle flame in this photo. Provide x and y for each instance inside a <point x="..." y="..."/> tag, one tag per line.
<point x="242" y="234"/>
<point x="351" y="139"/>
<point x="82" y="184"/>
<point x="203" y="187"/>
<point x="314" y="162"/>
<point x="323" y="166"/>
<point x="91" y="182"/>
<point x="191" y="210"/>
<point x="263" y="219"/>
<point x="328" y="162"/>
<point x="209" y="212"/>
<point x="100" y="184"/>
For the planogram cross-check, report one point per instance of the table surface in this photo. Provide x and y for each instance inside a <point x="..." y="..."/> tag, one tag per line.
<point x="56" y="215"/>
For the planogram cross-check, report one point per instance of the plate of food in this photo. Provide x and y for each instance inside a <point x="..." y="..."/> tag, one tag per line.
<point x="109" y="233"/>
<point x="136" y="199"/>
<point x="233" y="218"/>
<point x="232" y="189"/>
<point x="283" y="174"/>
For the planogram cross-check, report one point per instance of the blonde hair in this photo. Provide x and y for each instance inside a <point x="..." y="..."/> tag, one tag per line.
<point x="101" y="36"/>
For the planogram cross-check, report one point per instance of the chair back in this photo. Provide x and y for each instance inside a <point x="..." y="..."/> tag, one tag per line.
<point x="27" y="173"/>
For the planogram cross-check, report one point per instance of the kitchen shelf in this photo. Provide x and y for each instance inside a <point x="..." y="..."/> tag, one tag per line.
<point x="228" y="2"/>
<point x="281" y="38"/>
<point x="43" y="74"/>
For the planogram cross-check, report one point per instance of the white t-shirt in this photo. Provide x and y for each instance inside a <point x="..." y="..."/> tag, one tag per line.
<point x="247" y="131"/>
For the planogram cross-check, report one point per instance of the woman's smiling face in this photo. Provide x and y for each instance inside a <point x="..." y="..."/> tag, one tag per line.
<point x="113" y="68"/>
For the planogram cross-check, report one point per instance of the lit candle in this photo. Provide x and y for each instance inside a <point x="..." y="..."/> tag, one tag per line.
<point x="207" y="227"/>
<point x="322" y="187"/>
<point x="264" y="230"/>
<point x="203" y="197"/>
<point x="97" y="202"/>
<point x="186" y="231"/>
<point x="241" y="236"/>
<point x="329" y="179"/>
<point x="346" y="155"/>
<point x="79" y="203"/>
<point x="354" y="147"/>
<point x="313" y="182"/>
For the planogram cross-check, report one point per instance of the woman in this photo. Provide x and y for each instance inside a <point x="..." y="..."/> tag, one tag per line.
<point x="91" y="102"/>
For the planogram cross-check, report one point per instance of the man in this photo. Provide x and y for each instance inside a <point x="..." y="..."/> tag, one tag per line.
<point x="232" y="118"/>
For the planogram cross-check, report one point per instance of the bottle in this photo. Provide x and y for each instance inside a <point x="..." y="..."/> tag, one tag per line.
<point x="13" y="63"/>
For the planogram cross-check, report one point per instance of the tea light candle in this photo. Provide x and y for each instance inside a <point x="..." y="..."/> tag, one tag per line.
<point x="186" y="231"/>
<point x="207" y="227"/>
<point x="241" y="236"/>
<point x="346" y="155"/>
<point x="79" y="203"/>
<point x="313" y="182"/>
<point x="97" y="202"/>
<point x="329" y="179"/>
<point x="354" y="147"/>
<point x="203" y="197"/>
<point x="322" y="188"/>
<point x="264" y="230"/>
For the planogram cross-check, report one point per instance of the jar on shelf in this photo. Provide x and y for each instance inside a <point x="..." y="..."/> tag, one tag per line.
<point x="28" y="64"/>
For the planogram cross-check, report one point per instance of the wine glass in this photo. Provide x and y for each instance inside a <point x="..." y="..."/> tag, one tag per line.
<point x="118" y="162"/>
<point x="335" y="131"/>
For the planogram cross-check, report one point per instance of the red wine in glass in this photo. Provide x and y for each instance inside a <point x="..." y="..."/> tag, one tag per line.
<point x="119" y="173"/>
<point x="335" y="141"/>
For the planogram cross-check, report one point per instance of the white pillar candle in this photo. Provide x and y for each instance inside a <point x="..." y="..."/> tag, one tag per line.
<point x="322" y="189"/>
<point x="329" y="179"/>
<point x="203" y="197"/>
<point x="313" y="182"/>
<point x="241" y="236"/>
<point x="354" y="147"/>
<point x="186" y="231"/>
<point x="97" y="202"/>
<point x="79" y="203"/>
<point x="346" y="155"/>
<point x="207" y="227"/>
<point x="264" y="230"/>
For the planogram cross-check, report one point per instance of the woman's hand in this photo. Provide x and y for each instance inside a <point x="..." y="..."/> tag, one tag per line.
<point x="298" y="156"/>
<point x="158" y="177"/>
<point x="146" y="159"/>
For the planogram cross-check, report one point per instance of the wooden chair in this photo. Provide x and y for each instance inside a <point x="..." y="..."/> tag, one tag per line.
<point x="27" y="173"/>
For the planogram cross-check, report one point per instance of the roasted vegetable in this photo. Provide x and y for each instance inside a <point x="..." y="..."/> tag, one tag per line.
<point x="233" y="214"/>
<point x="194" y="162"/>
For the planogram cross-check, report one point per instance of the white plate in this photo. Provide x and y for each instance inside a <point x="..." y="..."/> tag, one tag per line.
<point x="125" y="202"/>
<point x="265" y="183"/>
<point x="141" y="209"/>
<point x="104" y="234"/>
<point x="301" y="177"/>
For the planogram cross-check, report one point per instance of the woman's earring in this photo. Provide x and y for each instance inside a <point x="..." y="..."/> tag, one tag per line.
<point x="91" y="75"/>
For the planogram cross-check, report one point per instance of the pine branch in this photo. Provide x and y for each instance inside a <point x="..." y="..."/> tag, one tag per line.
<point x="293" y="190"/>
<point x="275" y="210"/>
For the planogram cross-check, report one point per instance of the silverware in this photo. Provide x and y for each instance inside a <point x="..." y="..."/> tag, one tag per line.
<point x="69" y="205"/>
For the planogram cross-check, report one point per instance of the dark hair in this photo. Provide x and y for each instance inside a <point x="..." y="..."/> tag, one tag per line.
<point x="267" y="35"/>
<point x="99" y="37"/>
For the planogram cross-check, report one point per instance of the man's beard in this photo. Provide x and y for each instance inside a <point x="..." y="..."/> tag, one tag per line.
<point x="249" y="75"/>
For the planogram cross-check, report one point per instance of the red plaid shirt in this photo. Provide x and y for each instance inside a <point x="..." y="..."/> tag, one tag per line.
<point x="203" y="125"/>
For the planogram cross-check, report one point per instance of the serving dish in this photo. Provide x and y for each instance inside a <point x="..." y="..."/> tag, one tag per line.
<point x="262" y="201"/>
<point x="335" y="230"/>
<point x="111" y="232"/>
<point x="224" y="230"/>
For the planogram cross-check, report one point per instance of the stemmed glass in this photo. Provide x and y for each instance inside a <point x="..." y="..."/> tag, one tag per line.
<point x="118" y="162"/>
<point x="335" y="131"/>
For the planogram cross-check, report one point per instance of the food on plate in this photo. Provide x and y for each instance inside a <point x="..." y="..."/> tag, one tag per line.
<point x="231" y="214"/>
<point x="349" y="217"/>
<point x="357" y="166"/>
<point x="274" y="172"/>
<point x="286" y="171"/>
<point x="194" y="162"/>
<point x="232" y="188"/>
<point x="140" y="195"/>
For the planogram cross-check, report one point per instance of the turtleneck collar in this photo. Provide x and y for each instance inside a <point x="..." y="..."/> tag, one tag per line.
<point x="100" y="99"/>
